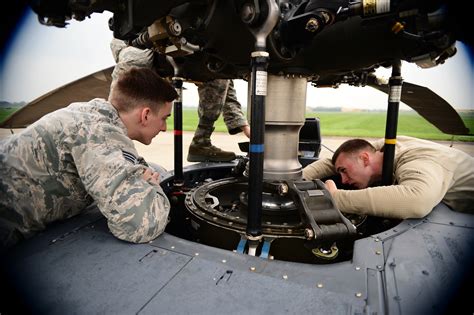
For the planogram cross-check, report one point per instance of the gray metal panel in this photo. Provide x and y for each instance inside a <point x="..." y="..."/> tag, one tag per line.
<point x="426" y="265"/>
<point x="205" y="287"/>
<point x="87" y="270"/>
<point x="341" y="278"/>
<point x="91" y="272"/>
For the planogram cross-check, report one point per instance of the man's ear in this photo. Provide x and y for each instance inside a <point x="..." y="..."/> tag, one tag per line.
<point x="364" y="155"/>
<point x="144" y="115"/>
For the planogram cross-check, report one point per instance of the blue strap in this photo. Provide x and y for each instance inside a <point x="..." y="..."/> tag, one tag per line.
<point x="256" y="148"/>
<point x="265" y="249"/>
<point x="241" y="246"/>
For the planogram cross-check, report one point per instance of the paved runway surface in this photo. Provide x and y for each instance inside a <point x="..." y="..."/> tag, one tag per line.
<point x="160" y="151"/>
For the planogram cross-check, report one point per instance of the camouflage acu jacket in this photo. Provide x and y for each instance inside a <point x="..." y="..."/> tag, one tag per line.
<point x="62" y="163"/>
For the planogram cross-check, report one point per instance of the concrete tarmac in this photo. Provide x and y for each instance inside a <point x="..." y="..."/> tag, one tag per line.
<point x="160" y="151"/>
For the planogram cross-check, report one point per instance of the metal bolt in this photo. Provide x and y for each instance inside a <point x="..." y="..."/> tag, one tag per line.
<point x="379" y="267"/>
<point x="196" y="254"/>
<point x="224" y="261"/>
<point x="172" y="247"/>
<point x="358" y="294"/>
<point x="377" y="252"/>
<point x="319" y="285"/>
<point x="357" y="268"/>
<point x="309" y="233"/>
<point x="312" y="25"/>
<point x="248" y="13"/>
<point x="252" y="268"/>
<point x="282" y="189"/>
<point x="285" y="277"/>
<point x="326" y="16"/>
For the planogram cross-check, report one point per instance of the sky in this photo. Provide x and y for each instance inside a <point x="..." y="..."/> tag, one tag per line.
<point x="41" y="58"/>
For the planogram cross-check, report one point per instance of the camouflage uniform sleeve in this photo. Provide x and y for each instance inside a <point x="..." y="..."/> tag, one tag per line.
<point x="234" y="117"/>
<point x="136" y="210"/>
<point x="127" y="57"/>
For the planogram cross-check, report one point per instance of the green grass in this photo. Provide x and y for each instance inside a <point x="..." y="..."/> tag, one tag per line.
<point x="351" y="124"/>
<point x="5" y="112"/>
<point x="356" y="124"/>
<point x="372" y="124"/>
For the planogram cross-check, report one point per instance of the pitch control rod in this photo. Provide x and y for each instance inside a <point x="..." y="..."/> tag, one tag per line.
<point x="178" y="125"/>
<point x="395" y="83"/>
<point x="259" y="64"/>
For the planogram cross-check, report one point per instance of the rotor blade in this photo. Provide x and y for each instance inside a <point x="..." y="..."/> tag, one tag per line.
<point x="84" y="89"/>
<point x="430" y="106"/>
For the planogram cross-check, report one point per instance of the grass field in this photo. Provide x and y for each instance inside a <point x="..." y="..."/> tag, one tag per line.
<point x="5" y="112"/>
<point x="353" y="124"/>
<point x="357" y="124"/>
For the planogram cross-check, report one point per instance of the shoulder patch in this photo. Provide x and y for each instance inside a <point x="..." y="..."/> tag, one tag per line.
<point x="133" y="159"/>
<point x="130" y="157"/>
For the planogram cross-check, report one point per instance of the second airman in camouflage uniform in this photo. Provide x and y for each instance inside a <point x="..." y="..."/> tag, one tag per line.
<point x="59" y="165"/>
<point x="215" y="97"/>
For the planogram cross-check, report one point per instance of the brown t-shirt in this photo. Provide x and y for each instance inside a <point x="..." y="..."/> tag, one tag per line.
<point x="425" y="173"/>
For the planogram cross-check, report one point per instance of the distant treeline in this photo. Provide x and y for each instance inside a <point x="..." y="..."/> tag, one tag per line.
<point x="9" y="105"/>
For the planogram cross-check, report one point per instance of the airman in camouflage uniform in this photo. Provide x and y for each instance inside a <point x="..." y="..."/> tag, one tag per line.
<point x="82" y="153"/>
<point x="215" y="97"/>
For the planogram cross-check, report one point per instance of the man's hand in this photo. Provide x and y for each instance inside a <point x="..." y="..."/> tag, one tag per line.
<point x="151" y="177"/>
<point x="331" y="186"/>
<point x="246" y="130"/>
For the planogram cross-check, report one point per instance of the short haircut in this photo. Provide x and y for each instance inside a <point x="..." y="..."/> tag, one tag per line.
<point x="139" y="86"/>
<point x="352" y="146"/>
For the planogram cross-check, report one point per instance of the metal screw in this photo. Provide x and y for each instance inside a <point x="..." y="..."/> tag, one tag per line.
<point x="357" y="268"/>
<point x="358" y="294"/>
<point x="308" y="233"/>
<point x="252" y="268"/>
<point x="285" y="277"/>
<point x="282" y="189"/>
<point x="248" y="13"/>
<point x="326" y="16"/>
<point x="319" y="285"/>
<point x="312" y="25"/>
